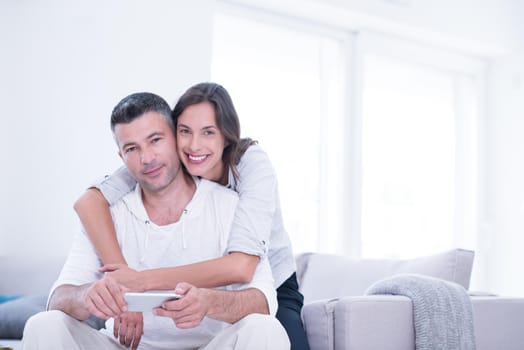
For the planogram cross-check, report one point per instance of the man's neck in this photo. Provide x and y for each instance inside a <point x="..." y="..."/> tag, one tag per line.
<point x="166" y="206"/>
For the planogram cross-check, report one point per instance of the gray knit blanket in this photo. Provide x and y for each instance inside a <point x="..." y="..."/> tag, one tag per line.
<point x="442" y="311"/>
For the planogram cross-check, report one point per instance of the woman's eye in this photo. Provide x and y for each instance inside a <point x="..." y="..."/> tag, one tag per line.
<point x="183" y="131"/>
<point x="209" y="132"/>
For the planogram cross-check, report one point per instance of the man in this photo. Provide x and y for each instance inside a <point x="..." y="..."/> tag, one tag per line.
<point x="170" y="219"/>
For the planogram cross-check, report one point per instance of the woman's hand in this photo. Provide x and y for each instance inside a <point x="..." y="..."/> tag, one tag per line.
<point x="104" y="298"/>
<point x="125" y="276"/>
<point x="129" y="327"/>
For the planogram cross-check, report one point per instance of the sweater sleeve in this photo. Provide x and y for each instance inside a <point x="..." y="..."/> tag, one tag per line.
<point x="257" y="190"/>
<point x="115" y="186"/>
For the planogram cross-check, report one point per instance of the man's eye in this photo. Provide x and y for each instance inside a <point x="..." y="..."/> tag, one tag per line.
<point x="130" y="149"/>
<point x="156" y="139"/>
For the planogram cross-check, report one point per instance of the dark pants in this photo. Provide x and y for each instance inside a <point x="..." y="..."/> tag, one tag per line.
<point x="290" y="302"/>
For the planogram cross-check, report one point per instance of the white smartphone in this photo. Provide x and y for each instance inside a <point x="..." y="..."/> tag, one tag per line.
<point x="147" y="301"/>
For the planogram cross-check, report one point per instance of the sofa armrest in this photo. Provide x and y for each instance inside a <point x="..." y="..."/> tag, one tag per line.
<point x="374" y="322"/>
<point x="318" y="323"/>
<point x="359" y="323"/>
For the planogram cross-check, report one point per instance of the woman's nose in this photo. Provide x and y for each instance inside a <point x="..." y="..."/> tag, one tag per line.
<point x="194" y="144"/>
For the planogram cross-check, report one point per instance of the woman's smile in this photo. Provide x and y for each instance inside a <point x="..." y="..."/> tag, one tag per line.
<point x="197" y="159"/>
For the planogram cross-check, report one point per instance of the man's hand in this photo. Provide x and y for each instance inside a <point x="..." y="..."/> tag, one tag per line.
<point x="124" y="275"/>
<point x="105" y="298"/>
<point x="188" y="311"/>
<point x="129" y="327"/>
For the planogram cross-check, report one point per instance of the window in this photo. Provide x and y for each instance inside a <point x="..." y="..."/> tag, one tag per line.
<point x="408" y="159"/>
<point x="419" y="150"/>
<point x="285" y="82"/>
<point x="374" y="139"/>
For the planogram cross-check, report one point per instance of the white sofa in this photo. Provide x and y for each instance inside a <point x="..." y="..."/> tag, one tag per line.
<point x="337" y="314"/>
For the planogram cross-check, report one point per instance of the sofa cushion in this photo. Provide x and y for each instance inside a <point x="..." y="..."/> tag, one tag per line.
<point x="14" y="314"/>
<point x="326" y="276"/>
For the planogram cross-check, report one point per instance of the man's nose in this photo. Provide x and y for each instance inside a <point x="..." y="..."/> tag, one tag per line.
<point x="146" y="156"/>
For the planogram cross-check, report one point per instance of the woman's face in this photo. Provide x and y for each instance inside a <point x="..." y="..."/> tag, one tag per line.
<point x="200" y="143"/>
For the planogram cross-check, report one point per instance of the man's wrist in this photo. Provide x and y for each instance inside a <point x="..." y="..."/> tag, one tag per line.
<point x="210" y="299"/>
<point x="144" y="281"/>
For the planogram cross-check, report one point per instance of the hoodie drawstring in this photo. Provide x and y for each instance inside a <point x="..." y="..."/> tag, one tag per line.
<point x="146" y="241"/>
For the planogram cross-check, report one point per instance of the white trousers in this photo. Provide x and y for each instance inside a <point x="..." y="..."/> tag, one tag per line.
<point x="57" y="330"/>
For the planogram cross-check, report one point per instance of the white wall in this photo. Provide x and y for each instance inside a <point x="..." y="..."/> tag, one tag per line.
<point x="63" y="66"/>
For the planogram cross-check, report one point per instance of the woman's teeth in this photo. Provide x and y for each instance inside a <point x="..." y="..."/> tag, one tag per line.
<point x="196" y="158"/>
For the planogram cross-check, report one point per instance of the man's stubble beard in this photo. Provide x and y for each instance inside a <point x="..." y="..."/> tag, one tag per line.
<point x="171" y="176"/>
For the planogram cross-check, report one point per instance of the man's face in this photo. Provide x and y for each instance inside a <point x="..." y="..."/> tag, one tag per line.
<point x="147" y="147"/>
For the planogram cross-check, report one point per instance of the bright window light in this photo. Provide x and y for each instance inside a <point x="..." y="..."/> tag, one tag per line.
<point x="408" y="159"/>
<point x="276" y="76"/>
<point x="374" y="139"/>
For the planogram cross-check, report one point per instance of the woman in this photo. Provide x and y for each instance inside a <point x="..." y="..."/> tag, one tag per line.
<point x="209" y="146"/>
